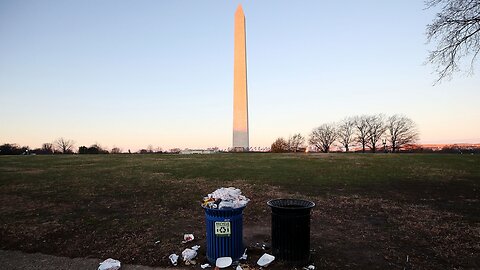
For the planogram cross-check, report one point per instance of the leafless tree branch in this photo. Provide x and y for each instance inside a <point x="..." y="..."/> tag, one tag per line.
<point x="456" y="31"/>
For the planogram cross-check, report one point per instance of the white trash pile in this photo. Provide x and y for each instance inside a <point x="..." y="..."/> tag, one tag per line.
<point x="224" y="198"/>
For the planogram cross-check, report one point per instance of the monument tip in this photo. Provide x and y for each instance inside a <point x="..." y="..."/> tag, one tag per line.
<point x="239" y="9"/>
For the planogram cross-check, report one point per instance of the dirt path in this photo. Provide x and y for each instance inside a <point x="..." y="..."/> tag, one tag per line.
<point x="13" y="260"/>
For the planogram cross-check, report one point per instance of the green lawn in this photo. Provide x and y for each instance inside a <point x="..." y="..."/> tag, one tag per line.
<point x="279" y="169"/>
<point x="422" y="205"/>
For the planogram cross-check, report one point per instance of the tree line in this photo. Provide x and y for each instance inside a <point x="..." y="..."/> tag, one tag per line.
<point x="67" y="146"/>
<point x="369" y="132"/>
<point x="59" y="146"/>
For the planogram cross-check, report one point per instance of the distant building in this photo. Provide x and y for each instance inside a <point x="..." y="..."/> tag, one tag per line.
<point x="198" y="151"/>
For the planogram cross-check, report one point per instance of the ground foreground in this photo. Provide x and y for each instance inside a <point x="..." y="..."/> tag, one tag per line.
<point x="373" y="211"/>
<point x="16" y="260"/>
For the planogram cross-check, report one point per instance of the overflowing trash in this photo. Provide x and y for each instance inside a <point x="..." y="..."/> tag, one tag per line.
<point x="224" y="198"/>
<point x="223" y="262"/>
<point x="207" y="265"/>
<point x="173" y="258"/>
<point x="265" y="260"/>
<point x="196" y="247"/>
<point x="310" y="267"/>
<point x="109" y="264"/>
<point x="187" y="238"/>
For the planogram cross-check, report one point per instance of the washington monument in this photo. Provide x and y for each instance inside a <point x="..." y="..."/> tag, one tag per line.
<point x="240" y="97"/>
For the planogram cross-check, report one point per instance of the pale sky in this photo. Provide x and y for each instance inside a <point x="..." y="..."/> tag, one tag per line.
<point x="137" y="73"/>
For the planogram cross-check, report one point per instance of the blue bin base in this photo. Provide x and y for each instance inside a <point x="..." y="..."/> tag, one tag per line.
<point x="224" y="233"/>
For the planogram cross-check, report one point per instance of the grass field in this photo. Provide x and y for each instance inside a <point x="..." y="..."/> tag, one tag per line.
<point x="372" y="210"/>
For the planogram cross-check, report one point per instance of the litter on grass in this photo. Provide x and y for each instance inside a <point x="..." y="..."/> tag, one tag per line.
<point x="187" y="238"/>
<point x="223" y="262"/>
<point x="173" y="258"/>
<point x="109" y="264"/>
<point x="244" y="256"/>
<point x="265" y="260"/>
<point x="224" y="198"/>
<point x="191" y="262"/>
<point x="189" y="254"/>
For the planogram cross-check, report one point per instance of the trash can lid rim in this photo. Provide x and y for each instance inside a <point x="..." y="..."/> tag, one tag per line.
<point x="299" y="203"/>
<point x="224" y="209"/>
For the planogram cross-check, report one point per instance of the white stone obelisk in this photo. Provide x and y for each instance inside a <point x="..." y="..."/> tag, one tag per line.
<point x="240" y="98"/>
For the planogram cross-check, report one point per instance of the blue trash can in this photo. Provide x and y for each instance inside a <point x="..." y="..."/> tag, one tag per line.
<point x="224" y="233"/>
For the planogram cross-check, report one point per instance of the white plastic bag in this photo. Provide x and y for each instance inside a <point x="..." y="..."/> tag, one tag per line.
<point x="109" y="264"/>
<point x="189" y="254"/>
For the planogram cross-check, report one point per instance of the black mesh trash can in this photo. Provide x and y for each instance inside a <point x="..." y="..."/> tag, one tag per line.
<point x="291" y="229"/>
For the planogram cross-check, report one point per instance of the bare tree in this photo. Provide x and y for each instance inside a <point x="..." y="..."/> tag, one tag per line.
<point x="401" y="131"/>
<point x="175" y="150"/>
<point x="376" y="128"/>
<point x="116" y="150"/>
<point x="323" y="137"/>
<point x="150" y="148"/>
<point x="280" y="145"/>
<point x="296" y="142"/>
<point x="346" y="130"/>
<point x="64" y="145"/>
<point x="361" y="127"/>
<point x="456" y="28"/>
<point x="47" y="148"/>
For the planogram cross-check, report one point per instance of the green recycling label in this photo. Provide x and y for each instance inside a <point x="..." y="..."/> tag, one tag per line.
<point x="222" y="228"/>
